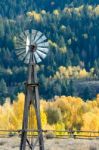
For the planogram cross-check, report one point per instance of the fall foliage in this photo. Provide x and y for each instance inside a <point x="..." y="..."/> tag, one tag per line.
<point x="72" y="72"/>
<point x="63" y="113"/>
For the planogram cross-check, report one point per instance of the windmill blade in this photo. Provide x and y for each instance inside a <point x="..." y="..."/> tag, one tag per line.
<point x="38" y="35"/>
<point x="22" y="39"/>
<point x="19" y="45"/>
<point x="41" y="54"/>
<point x="27" y="58"/>
<point x="19" y="40"/>
<point x="33" y="35"/>
<point x="27" y="48"/>
<point x="37" y="58"/>
<point x="20" y="52"/>
<point x="34" y="32"/>
<point x="27" y="41"/>
<point x="26" y="33"/>
<point x="45" y="44"/>
<point x="42" y="39"/>
<point x="27" y="44"/>
<point x="21" y="48"/>
<point x="44" y="50"/>
<point x="26" y="61"/>
<point x="21" y="57"/>
<point x="23" y="35"/>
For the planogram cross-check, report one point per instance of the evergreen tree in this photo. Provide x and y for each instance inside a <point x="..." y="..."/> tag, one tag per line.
<point x="3" y="87"/>
<point x="87" y="93"/>
<point x="72" y="88"/>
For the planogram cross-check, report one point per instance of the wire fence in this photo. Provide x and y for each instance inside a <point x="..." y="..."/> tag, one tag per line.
<point x="76" y="134"/>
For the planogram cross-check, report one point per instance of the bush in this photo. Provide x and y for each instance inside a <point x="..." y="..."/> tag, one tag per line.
<point x="53" y="115"/>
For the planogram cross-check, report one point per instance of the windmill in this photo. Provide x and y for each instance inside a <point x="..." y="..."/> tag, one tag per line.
<point x="31" y="47"/>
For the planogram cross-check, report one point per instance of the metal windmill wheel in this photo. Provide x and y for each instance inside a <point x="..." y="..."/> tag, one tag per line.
<point x="31" y="41"/>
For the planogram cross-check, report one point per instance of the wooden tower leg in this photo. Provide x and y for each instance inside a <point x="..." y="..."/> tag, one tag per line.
<point x="37" y="108"/>
<point x="25" y="121"/>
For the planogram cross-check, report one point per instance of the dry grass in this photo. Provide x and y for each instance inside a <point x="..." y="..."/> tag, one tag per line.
<point x="53" y="144"/>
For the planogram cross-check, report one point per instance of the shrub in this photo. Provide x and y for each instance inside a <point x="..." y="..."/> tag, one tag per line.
<point x="53" y="115"/>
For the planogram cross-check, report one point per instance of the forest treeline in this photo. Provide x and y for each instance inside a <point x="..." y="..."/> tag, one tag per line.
<point x="10" y="8"/>
<point x="72" y="29"/>
<point x="63" y="113"/>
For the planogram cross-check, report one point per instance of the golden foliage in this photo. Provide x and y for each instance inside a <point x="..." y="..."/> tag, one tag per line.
<point x="97" y="10"/>
<point x="83" y="73"/>
<point x="67" y="72"/>
<point x="78" y="10"/>
<point x="69" y="113"/>
<point x="53" y="44"/>
<point x="35" y="15"/>
<point x="56" y="12"/>
<point x="63" y="49"/>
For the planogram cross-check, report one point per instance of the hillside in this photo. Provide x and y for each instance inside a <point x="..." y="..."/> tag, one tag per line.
<point x="73" y="32"/>
<point x="14" y="8"/>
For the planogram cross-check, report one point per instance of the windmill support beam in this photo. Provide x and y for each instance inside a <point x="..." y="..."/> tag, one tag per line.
<point x="32" y="98"/>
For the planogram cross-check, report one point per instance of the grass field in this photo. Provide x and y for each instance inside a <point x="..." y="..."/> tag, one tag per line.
<point x="53" y="144"/>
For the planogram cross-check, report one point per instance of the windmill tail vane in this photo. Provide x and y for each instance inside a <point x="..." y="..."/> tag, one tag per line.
<point x="31" y="48"/>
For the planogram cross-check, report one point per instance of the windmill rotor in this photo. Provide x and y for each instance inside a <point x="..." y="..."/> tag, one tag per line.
<point x="31" y="42"/>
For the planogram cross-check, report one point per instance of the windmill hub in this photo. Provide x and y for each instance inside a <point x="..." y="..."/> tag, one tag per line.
<point x="33" y="47"/>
